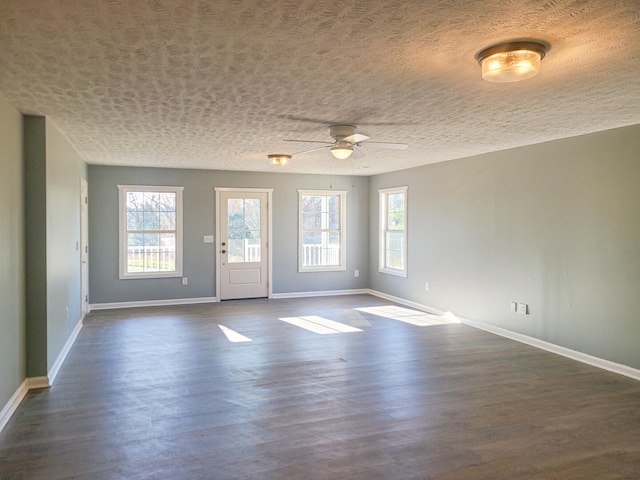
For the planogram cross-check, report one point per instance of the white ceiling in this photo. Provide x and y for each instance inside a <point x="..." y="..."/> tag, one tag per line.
<point x="219" y="84"/>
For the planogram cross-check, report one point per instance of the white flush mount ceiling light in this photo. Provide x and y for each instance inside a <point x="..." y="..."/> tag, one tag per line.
<point x="342" y="152"/>
<point x="512" y="61"/>
<point x="279" y="159"/>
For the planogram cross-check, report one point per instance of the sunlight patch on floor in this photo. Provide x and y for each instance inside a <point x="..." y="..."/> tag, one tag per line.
<point x="233" y="336"/>
<point x="354" y="318"/>
<point x="320" y="325"/>
<point x="406" y="315"/>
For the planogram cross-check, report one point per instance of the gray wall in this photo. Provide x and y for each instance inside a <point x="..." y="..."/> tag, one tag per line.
<point x="554" y="225"/>
<point x="52" y="183"/>
<point x="65" y="168"/>
<point x="199" y="220"/>
<point x="12" y="255"/>
<point x="35" y="165"/>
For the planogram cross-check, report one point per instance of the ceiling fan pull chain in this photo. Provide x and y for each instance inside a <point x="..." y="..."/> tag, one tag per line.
<point x="353" y="173"/>
<point x="330" y="173"/>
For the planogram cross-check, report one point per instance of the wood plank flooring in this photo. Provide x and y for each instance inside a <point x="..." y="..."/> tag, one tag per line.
<point x="161" y="393"/>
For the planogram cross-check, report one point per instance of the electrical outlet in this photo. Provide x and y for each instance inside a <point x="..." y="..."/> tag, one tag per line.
<point x="426" y="286"/>
<point x="356" y="273"/>
<point x="523" y="308"/>
<point x="185" y="281"/>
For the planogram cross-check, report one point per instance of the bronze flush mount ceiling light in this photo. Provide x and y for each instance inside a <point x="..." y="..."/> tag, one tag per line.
<point x="280" y="159"/>
<point x="511" y="61"/>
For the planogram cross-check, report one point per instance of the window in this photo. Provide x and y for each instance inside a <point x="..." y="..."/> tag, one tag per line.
<point x="321" y="230"/>
<point x="150" y="231"/>
<point x="393" y="231"/>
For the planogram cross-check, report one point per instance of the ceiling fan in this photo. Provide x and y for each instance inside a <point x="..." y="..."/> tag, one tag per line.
<point x="346" y="141"/>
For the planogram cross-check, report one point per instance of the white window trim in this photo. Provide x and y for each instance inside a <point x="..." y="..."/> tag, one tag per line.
<point x="122" y="221"/>
<point x="342" y="195"/>
<point x="382" y="194"/>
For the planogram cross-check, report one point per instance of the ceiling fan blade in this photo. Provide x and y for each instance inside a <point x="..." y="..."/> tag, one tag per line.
<point x="296" y="118"/>
<point x="355" y="138"/>
<point x="353" y="117"/>
<point x="358" y="153"/>
<point x="389" y="145"/>
<point x="310" y="150"/>
<point x="308" y="141"/>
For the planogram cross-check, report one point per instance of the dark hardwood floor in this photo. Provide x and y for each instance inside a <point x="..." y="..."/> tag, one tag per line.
<point x="161" y="393"/>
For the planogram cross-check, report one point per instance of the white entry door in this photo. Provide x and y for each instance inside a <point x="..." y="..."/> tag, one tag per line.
<point x="242" y="243"/>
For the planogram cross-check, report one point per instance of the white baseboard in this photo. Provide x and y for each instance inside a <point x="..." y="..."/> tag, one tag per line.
<point x="55" y="368"/>
<point x="32" y="383"/>
<point x="37" y="382"/>
<point x="519" y="337"/>
<point x="409" y="303"/>
<point x="12" y="404"/>
<point x="557" y="349"/>
<point x="325" y="293"/>
<point x="152" y="303"/>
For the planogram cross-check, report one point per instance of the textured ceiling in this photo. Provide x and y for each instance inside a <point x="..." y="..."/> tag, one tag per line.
<point x="219" y="84"/>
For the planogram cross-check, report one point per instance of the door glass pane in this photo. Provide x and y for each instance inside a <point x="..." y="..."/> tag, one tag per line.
<point x="235" y="210"/>
<point x="243" y="217"/>
<point x="252" y="246"/>
<point x="252" y="213"/>
<point x="252" y="229"/>
<point x="236" y="250"/>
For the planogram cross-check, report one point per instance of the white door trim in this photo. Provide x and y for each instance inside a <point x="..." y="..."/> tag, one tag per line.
<point x="84" y="245"/>
<point x="269" y="192"/>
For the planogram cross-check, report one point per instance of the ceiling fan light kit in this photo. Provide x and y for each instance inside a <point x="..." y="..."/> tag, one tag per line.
<point x="511" y="61"/>
<point x="280" y="159"/>
<point x="341" y="152"/>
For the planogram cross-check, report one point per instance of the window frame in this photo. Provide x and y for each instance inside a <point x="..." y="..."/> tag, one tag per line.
<point x="123" y="190"/>
<point x="383" y="195"/>
<point x="342" y="202"/>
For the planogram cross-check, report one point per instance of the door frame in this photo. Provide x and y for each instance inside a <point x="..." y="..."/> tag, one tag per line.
<point x="218" y="247"/>
<point x="84" y="248"/>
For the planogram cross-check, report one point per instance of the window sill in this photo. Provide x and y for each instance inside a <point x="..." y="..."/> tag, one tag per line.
<point x="147" y="275"/>
<point x="391" y="271"/>
<point x="321" y="269"/>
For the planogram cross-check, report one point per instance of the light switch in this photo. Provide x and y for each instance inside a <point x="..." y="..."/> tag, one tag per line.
<point x="207" y="239"/>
